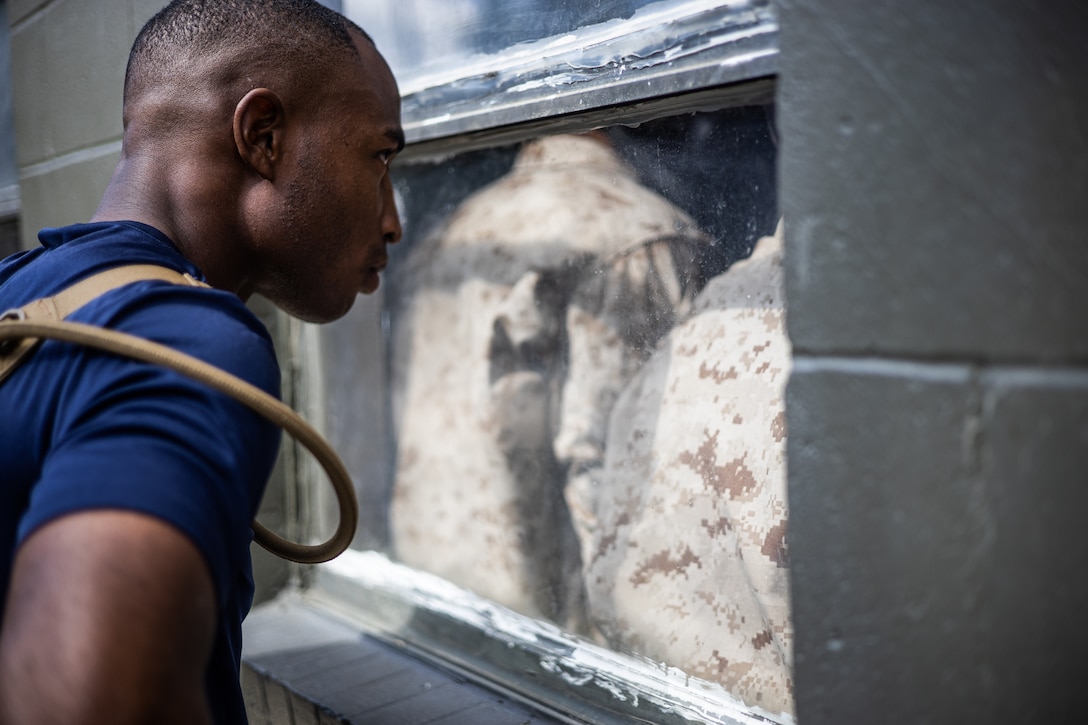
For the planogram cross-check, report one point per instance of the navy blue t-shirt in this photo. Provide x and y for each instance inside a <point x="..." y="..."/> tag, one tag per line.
<point x="82" y="429"/>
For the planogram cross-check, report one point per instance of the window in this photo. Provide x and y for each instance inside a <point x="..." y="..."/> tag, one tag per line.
<point x="563" y="409"/>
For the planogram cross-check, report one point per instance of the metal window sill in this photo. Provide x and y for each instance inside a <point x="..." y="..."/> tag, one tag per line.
<point x="302" y="666"/>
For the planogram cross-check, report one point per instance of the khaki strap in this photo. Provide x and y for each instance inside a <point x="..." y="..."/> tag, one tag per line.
<point x="24" y="328"/>
<point x="70" y="299"/>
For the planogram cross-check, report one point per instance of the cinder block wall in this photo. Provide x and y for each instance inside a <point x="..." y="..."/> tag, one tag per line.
<point x="9" y="172"/>
<point x="934" y="181"/>
<point x="68" y="65"/>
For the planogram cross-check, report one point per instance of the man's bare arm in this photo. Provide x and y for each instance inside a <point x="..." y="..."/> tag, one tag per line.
<point x="110" y="618"/>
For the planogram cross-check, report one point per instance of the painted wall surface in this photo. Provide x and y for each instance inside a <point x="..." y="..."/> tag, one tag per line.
<point x="68" y="65"/>
<point x="9" y="172"/>
<point x="934" y="174"/>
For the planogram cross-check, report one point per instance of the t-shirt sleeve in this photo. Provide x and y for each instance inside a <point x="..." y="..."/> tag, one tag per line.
<point x="134" y="436"/>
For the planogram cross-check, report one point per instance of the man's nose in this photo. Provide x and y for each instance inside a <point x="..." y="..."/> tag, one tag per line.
<point x="391" y="229"/>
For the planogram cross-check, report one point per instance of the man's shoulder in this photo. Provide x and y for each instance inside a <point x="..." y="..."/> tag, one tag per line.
<point x="69" y="254"/>
<point x="210" y="324"/>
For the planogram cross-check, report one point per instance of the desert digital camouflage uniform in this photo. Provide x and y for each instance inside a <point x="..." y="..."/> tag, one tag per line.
<point x="687" y="560"/>
<point x="525" y="318"/>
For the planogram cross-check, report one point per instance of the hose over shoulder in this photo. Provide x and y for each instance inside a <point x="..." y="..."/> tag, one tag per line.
<point x="120" y="343"/>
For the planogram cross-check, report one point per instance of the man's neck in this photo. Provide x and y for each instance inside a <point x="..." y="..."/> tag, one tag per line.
<point x="140" y="192"/>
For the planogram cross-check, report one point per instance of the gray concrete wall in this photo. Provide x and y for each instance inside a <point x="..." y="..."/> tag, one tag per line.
<point x="934" y="181"/>
<point x="9" y="175"/>
<point x="68" y="65"/>
<point x="9" y="172"/>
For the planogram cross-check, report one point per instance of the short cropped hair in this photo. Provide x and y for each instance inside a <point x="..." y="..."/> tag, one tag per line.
<point x="292" y="34"/>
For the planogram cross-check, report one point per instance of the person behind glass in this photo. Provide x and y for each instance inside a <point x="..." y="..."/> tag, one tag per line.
<point x="257" y="139"/>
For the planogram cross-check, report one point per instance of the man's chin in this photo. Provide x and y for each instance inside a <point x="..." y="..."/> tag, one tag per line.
<point x="319" y="313"/>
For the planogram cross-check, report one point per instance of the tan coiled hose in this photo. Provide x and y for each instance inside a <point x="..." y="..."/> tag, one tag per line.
<point x="17" y="330"/>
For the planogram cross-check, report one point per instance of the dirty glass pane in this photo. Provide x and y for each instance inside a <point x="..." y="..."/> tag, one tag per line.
<point x="422" y="35"/>
<point x="584" y="359"/>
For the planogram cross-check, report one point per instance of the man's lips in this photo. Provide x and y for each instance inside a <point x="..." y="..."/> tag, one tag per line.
<point x="378" y="265"/>
<point x="372" y="272"/>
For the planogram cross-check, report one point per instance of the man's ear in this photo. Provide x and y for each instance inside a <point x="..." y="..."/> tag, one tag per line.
<point x="259" y="122"/>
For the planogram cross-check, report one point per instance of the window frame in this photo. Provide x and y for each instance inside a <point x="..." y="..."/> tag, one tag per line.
<point x="733" y="63"/>
<point x="513" y="95"/>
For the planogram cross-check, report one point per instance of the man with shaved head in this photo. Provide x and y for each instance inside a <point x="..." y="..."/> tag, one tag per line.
<point x="257" y="138"/>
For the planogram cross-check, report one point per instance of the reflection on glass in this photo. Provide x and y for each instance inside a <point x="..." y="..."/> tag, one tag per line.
<point x="416" y="35"/>
<point x="587" y="361"/>
<point x="524" y="316"/>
